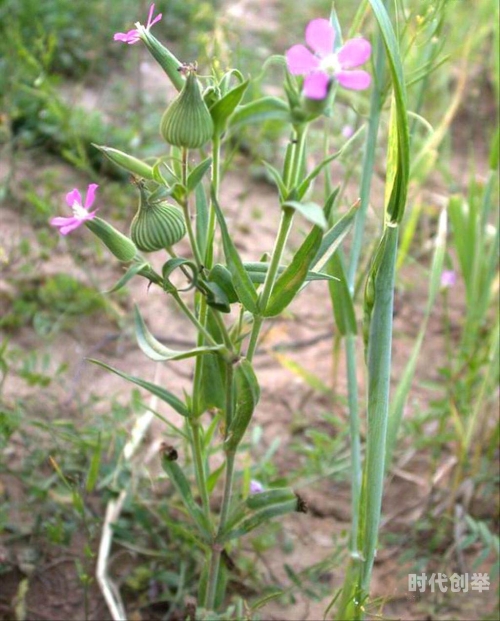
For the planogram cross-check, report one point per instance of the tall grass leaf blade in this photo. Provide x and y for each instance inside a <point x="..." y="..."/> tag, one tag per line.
<point x="399" y="133"/>
<point x="95" y="462"/>
<point x="343" y="307"/>
<point x="403" y="389"/>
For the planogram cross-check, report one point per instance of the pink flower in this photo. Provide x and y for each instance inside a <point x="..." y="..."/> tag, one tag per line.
<point x="80" y="212"/>
<point x="448" y="279"/>
<point x="256" y="487"/>
<point x="322" y="64"/>
<point x="132" y="36"/>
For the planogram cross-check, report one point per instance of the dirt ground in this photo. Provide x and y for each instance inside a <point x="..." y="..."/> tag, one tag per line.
<point x="48" y="587"/>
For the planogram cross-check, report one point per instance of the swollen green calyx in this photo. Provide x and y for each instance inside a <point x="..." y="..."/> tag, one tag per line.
<point x="187" y="122"/>
<point x="156" y="225"/>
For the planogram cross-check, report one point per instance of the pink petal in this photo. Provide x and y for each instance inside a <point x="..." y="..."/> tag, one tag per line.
<point x="66" y="225"/>
<point x="320" y="36"/>
<point x="355" y="80"/>
<point x="156" y="19"/>
<point x="300" y="60"/>
<point x="91" y="215"/>
<point x="150" y="17"/>
<point x="64" y="230"/>
<point x="61" y="221"/>
<point x="151" y="11"/>
<point x="90" y="198"/>
<point x="316" y="85"/>
<point x="353" y="53"/>
<point x="130" y="37"/>
<point x="73" y="197"/>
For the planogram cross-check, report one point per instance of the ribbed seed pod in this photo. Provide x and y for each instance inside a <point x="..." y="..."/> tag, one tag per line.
<point x="156" y="226"/>
<point x="187" y="121"/>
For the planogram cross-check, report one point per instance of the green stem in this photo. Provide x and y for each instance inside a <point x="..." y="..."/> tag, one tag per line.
<point x="199" y="468"/>
<point x="185" y="209"/>
<point x="211" y="216"/>
<point x="192" y="318"/>
<point x="228" y="491"/>
<point x="258" y="320"/>
<point x="213" y="574"/>
<point x="222" y="327"/>
<point x="291" y="178"/>
<point x="356" y="467"/>
<point x="197" y="378"/>
<point x="376" y="103"/>
<point x="279" y="246"/>
<point x="208" y="261"/>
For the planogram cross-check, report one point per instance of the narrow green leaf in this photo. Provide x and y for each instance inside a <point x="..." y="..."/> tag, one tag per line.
<point x="288" y="284"/>
<point x="212" y="393"/>
<point x="304" y="186"/>
<point x="257" y="519"/>
<point x="382" y="277"/>
<point x="334" y="237"/>
<point x="259" y="111"/>
<point x="222" y="109"/>
<point x="297" y="369"/>
<point x="311" y="212"/>
<point x="400" y="397"/>
<point x="176" y="262"/>
<point x="214" y="477"/>
<point x="197" y="174"/>
<point x="247" y="395"/>
<point x="166" y="396"/>
<point x="132" y="271"/>
<point x="258" y="276"/>
<point x="270" y="497"/>
<point x="181" y="484"/>
<point x="241" y="280"/>
<point x="159" y="352"/>
<point x="399" y="143"/>
<point x="221" y="276"/>
<point x="262" y="601"/>
<point x="295" y="275"/>
<point x="278" y="180"/>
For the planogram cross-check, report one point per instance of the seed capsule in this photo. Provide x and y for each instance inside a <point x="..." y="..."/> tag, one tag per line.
<point x="187" y="121"/>
<point x="156" y="225"/>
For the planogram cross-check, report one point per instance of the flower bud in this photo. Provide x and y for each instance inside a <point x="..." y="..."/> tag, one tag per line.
<point x="156" y="225"/>
<point x="127" y="162"/>
<point x="187" y="121"/>
<point x="120" y="245"/>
